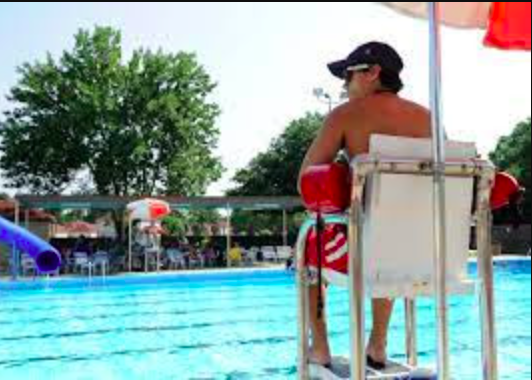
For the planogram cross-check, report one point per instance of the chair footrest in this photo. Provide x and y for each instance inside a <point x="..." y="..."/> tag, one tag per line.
<point x="340" y="371"/>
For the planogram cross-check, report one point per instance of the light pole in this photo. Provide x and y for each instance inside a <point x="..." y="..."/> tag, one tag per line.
<point x="325" y="97"/>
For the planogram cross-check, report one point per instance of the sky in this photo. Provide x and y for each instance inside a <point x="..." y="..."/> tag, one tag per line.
<point x="267" y="59"/>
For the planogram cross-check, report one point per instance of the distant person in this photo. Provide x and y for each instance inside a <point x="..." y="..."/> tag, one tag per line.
<point x="235" y="256"/>
<point x="260" y="256"/>
<point x="209" y="256"/>
<point x="290" y="264"/>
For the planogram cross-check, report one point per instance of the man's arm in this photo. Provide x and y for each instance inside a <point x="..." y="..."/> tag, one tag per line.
<point x="328" y="143"/>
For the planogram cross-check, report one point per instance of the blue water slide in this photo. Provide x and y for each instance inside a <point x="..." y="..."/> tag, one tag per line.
<point x="46" y="257"/>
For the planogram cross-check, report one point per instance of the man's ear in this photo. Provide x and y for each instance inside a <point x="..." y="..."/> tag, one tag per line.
<point x="375" y="72"/>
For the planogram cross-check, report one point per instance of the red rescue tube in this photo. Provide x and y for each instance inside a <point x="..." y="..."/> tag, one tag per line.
<point x="326" y="188"/>
<point x="506" y="190"/>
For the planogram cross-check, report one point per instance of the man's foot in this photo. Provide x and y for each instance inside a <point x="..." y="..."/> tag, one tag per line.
<point x="377" y="356"/>
<point x="373" y="364"/>
<point x="321" y="358"/>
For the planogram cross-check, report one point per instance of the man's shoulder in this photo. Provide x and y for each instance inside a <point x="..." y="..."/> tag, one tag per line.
<point x="346" y="111"/>
<point x="403" y="103"/>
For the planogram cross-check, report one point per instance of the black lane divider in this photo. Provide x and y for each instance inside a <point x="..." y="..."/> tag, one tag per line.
<point x="205" y="325"/>
<point x="151" y="314"/>
<point x="171" y="299"/>
<point x="150" y="293"/>
<point x="173" y="350"/>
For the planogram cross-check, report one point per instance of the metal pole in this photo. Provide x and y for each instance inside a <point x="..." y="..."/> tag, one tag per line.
<point x="228" y="233"/>
<point x="27" y="219"/>
<point x="17" y="212"/>
<point x="485" y="270"/>
<point x="146" y="260"/>
<point x="357" y="283"/>
<point x="440" y="223"/>
<point x="285" y="228"/>
<point x="159" y="244"/>
<point x="15" y="257"/>
<point x="303" y="370"/>
<point x="130" y="244"/>
<point x="123" y="226"/>
<point x="411" y="332"/>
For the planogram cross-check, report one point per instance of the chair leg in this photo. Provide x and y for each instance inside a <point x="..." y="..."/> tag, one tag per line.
<point x="411" y="332"/>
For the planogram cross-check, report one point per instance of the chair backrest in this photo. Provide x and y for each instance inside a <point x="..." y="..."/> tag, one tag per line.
<point x="284" y="252"/>
<point x="399" y="221"/>
<point x="80" y="258"/>
<point x="27" y="261"/>
<point x="101" y="257"/>
<point x="269" y="253"/>
<point x="251" y="254"/>
<point x="173" y="254"/>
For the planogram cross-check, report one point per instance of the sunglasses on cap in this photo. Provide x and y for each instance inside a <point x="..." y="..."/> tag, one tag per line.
<point x="351" y="70"/>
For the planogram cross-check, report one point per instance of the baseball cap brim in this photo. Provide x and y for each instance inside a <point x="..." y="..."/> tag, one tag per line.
<point x="338" y="68"/>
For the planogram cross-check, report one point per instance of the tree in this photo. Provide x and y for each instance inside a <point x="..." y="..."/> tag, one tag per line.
<point x="142" y="127"/>
<point x="275" y="172"/>
<point x="513" y="154"/>
<point x="179" y="224"/>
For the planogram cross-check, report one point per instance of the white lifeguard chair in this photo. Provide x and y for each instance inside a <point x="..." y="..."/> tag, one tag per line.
<point x="391" y="245"/>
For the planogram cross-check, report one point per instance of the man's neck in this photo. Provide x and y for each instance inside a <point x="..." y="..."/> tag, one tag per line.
<point x="379" y="92"/>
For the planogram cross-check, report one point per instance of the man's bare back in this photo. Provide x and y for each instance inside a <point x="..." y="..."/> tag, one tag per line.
<point x="351" y="126"/>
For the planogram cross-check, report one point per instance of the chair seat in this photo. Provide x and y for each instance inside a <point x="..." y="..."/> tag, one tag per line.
<point x="403" y="287"/>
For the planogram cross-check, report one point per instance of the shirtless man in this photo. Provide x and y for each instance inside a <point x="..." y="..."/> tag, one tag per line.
<point x="372" y="76"/>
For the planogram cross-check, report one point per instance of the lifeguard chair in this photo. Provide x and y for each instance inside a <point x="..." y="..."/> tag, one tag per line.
<point x="391" y="243"/>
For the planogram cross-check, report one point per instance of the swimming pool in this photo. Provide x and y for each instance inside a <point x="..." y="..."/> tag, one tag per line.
<point x="220" y="326"/>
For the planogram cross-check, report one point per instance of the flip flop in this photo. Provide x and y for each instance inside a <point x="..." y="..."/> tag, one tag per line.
<point x="373" y="364"/>
<point x="328" y="366"/>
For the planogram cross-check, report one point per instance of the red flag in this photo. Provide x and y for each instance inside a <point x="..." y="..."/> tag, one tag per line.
<point x="510" y="25"/>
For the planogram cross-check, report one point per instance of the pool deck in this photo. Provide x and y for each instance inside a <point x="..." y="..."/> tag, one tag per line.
<point x="152" y="277"/>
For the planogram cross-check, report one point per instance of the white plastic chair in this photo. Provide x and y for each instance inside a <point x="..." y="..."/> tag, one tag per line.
<point x="269" y="254"/>
<point x="101" y="259"/>
<point x="284" y="253"/>
<point x="82" y="262"/>
<point x="27" y="265"/>
<point x="176" y="258"/>
<point x="250" y="256"/>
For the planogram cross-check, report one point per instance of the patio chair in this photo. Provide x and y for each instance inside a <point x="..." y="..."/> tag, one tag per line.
<point x="101" y="260"/>
<point x="27" y="265"/>
<point x="176" y="259"/>
<point x="250" y="257"/>
<point x="269" y="254"/>
<point x="81" y="262"/>
<point x="284" y="253"/>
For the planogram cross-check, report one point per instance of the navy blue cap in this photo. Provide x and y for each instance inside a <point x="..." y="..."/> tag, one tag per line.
<point x="372" y="53"/>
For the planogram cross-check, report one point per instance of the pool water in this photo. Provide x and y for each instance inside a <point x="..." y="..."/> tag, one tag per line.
<point x="239" y="326"/>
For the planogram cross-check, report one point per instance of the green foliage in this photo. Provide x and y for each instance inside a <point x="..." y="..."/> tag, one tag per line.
<point x="179" y="224"/>
<point x="265" y="223"/>
<point x="275" y="172"/>
<point x="513" y="154"/>
<point x="141" y="127"/>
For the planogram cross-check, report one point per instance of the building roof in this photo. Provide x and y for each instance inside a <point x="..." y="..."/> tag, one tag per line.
<point x="57" y="202"/>
<point x="7" y="210"/>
